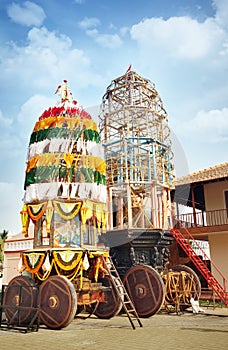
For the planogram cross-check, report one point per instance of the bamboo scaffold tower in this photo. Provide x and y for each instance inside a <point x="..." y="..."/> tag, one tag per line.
<point x="136" y="137"/>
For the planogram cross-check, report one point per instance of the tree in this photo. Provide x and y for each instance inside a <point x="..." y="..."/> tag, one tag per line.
<point x="3" y="237"/>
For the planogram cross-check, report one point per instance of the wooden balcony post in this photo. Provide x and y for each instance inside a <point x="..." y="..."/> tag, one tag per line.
<point x="193" y="205"/>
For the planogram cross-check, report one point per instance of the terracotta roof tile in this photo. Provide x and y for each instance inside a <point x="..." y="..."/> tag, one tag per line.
<point x="216" y="172"/>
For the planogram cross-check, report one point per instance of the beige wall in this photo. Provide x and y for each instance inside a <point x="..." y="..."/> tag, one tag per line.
<point x="214" y="195"/>
<point x="11" y="261"/>
<point x="219" y="254"/>
<point x="215" y="201"/>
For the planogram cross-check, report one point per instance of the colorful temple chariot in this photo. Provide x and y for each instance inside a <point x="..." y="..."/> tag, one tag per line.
<point x="65" y="189"/>
<point x="65" y="202"/>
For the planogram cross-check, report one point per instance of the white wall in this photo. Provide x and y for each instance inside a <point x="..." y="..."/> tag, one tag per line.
<point x="214" y="195"/>
<point x="10" y="267"/>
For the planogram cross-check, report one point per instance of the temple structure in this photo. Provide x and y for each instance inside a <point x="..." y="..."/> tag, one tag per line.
<point x="140" y="172"/>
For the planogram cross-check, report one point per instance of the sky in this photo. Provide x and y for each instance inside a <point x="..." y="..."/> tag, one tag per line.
<point x="180" y="45"/>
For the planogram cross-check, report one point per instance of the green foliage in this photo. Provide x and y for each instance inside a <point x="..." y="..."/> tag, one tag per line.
<point x="3" y="237"/>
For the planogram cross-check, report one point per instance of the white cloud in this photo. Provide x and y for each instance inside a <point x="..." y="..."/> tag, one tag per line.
<point x="47" y="59"/>
<point x="124" y="31"/>
<point x="89" y="22"/>
<point x="31" y="110"/>
<point x="221" y="12"/>
<point x="205" y="138"/>
<point x="10" y="144"/>
<point x="28" y="13"/>
<point x="10" y="207"/>
<point x="5" y="122"/>
<point x="79" y="2"/>
<point x="110" y="41"/>
<point x="42" y="38"/>
<point x="211" y="126"/>
<point x="178" y="37"/>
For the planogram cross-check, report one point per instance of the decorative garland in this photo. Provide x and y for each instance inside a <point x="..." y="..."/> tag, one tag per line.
<point x="66" y="214"/>
<point x="44" y="276"/>
<point x="36" y="211"/>
<point x="67" y="260"/>
<point x="69" y="275"/>
<point x="33" y="261"/>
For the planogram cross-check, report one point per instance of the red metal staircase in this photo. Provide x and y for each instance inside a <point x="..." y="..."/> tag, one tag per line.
<point x="183" y="241"/>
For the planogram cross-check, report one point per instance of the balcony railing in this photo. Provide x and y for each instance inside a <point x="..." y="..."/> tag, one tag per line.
<point x="206" y="218"/>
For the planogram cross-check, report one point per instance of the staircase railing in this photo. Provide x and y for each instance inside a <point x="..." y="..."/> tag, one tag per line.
<point x="219" y="289"/>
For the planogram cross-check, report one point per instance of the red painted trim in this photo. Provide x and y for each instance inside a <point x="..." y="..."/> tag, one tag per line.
<point x="14" y="251"/>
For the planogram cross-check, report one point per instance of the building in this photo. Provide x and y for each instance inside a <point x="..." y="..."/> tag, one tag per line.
<point x="205" y="193"/>
<point x="13" y="248"/>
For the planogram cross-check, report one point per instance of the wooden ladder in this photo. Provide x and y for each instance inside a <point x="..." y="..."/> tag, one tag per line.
<point x="127" y="304"/>
<point x="219" y="290"/>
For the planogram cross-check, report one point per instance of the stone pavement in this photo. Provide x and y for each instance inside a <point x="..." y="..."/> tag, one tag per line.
<point x="186" y="331"/>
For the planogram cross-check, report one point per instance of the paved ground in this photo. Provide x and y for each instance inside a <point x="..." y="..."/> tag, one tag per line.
<point x="162" y="331"/>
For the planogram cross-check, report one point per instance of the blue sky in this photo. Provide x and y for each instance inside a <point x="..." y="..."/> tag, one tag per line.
<point x="182" y="46"/>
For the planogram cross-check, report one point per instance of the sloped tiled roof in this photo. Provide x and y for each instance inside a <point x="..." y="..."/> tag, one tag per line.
<point x="213" y="173"/>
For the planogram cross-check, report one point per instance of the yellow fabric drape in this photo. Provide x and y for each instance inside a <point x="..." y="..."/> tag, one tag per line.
<point x="47" y="159"/>
<point x="73" y="123"/>
<point x="104" y="220"/>
<point x="49" y="213"/>
<point x="32" y="163"/>
<point x="57" y="122"/>
<point x="44" y="124"/>
<point x="60" y="120"/>
<point x="90" y="162"/>
<point x="89" y="124"/>
<point x="86" y="213"/>
<point x="24" y="220"/>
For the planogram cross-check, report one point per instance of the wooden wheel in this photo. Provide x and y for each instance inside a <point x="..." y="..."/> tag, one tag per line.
<point x="58" y="302"/>
<point x="192" y="285"/>
<point x="112" y="305"/>
<point x="20" y="292"/>
<point x="197" y="292"/>
<point x="145" y="288"/>
<point x="182" y="284"/>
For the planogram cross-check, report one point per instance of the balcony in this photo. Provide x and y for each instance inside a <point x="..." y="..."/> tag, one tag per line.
<point x="204" y="222"/>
